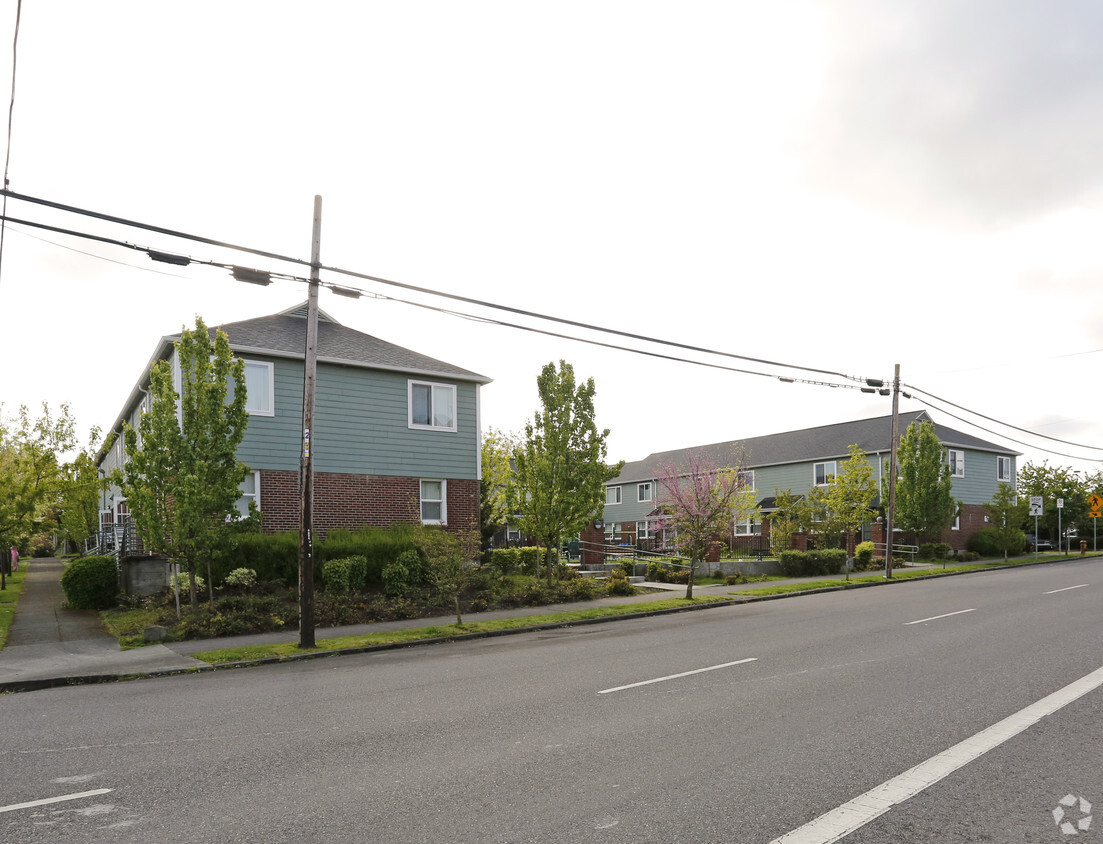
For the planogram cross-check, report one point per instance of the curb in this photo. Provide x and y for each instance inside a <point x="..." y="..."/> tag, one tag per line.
<point x="17" y="686"/>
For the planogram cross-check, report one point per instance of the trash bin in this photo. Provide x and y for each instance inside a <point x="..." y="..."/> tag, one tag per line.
<point x="1083" y="546"/>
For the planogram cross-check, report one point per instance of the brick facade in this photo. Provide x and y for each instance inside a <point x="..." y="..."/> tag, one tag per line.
<point x="354" y="501"/>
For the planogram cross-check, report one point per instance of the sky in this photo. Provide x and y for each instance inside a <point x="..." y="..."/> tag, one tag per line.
<point x="843" y="185"/>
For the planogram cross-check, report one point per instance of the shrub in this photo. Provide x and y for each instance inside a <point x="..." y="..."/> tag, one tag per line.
<point x="377" y="547"/>
<point x="345" y="575"/>
<point x="812" y="563"/>
<point x="531" y="558"/>
<point x="968" y="556"/>
<point x="506" y="560"/>
<point x="986" y="543"/>
<point x="935" y="550"/>
<point x="271" y="556"/>
<point x="241" y="579"/>
<point x="238" y="615"/>
<point x="863" y="555"/>
<point x="183" y="580"/>
<point x="403" y="575"/>
<point x="91" y="583"/>
<point x="618" y="584"/>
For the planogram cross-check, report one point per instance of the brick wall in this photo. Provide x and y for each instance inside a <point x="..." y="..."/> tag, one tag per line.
<point x="352" y="501"/>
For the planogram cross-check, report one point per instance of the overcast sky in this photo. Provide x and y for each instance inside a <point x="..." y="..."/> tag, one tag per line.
<point x="842" y="185"/>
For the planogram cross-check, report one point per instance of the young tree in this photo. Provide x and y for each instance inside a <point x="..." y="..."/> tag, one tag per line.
<point x="1053" y="482"/>
<point x="182" y="477"/>
<point x="700" y="502"/>
<point x="925" y="503"/>
<point x="497" y="476"/>
<point x="1006" y="513"/>
<point x="850" y="494"/>
<point x="784" y="521"/>
<point x="561" y="469"/>
<point x="30" y="471"/>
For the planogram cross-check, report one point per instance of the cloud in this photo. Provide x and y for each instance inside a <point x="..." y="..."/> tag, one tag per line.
<point x="968" y="114"/>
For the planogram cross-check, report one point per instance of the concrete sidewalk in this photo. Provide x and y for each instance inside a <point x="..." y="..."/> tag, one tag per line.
<point x="48" y="642"/>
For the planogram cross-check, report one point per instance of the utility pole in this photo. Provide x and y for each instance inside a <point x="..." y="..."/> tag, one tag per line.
<point x="306" y="465"/>
<point x="892" y="469"/>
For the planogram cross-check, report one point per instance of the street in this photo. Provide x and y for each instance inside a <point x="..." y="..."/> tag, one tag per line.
<point x="736" y="724"/>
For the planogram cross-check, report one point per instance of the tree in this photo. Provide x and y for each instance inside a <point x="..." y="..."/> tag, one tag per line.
<point x="1053" y="482"/>
<point x="30" y="471"/>
<point x="497" y="476"/>
<point x="1007" y="513"/>
<point x="925" y="502"/>
<point x="561" y="470"/>
<point x="182" y="477"/>
<point x="700" y="502"/>
<point x="784" y="521"/>
<point x="80" y="494"/>
<point x="850" y="494"/>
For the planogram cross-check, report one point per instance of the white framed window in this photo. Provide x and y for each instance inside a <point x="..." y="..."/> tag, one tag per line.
<point x="643" y="491"/>
<point x="643" y="530"/>
<point x="434" y="502"/>
<point x="1003" y="469"/>
<point x="512" y="534"/>
<point x="250" y="491"/>
<point x="956" y="460"/>
<point x="747" y="527"/>
<point x="610" y="531"/>
<point x="260" y="388"/>
<point x="823" y="473"/>
<point x="747" y="478"/>
<point x="432" y="406"/>
<point x="957" y="522"/>
<point x="612" y="495"/>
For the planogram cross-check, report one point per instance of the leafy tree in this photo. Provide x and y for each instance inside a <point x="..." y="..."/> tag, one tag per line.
<point x="810" y="512"/>
<point x="701" y="503"/>
<point x="925" y="503"/>
<point x="182" y="477"/>
<point x="784" y="521"/>
<point x="446" y="569"/>
<point x="561" y="469"/>
<point x="30" y="471"/>
<point x="1053" y="482"/>
<point x="80" y="494"/>
<point x="850" y="494"/>
<point x="1006" y="514"/>
<point x="497" y="476"/>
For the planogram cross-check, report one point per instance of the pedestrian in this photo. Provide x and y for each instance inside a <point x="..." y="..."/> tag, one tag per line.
<point x="14" y="559"/>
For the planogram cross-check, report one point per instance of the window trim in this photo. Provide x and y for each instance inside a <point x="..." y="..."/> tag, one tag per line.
<point x="830" y="476"/>
<point x="751" y="527"/>
<point x="618" y="495"/>
<point x="271" y="367"/>
<point x="957" y="467"/>
<point x="747" y="476"/>
<point x="255" y="497"/>
<point x="1000" y="463"/>
<point x="643" y="530"/>
<point x="433" y="387"/>
<point x="443" y="500"/>
<point x="639" y="492"/>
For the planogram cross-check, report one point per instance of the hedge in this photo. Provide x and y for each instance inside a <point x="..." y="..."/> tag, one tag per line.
<point x="91" y="583"/>
<point x="811" y="563"/>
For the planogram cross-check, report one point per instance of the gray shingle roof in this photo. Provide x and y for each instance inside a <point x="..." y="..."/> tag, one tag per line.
<point x="827" y="442"/>
<point x="284" y="335"/>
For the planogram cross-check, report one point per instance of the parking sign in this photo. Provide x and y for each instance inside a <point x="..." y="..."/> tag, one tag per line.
<point x="1035" y="505"/>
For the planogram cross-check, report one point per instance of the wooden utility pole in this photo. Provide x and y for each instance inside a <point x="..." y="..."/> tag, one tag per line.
<point x="892" y="469"/>
<point x="306" y="465"/>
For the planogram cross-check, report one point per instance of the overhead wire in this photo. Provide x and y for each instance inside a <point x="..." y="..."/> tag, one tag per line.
<point x="11" y="112"/>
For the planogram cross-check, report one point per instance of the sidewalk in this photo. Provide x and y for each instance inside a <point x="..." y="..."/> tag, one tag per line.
<point x="51" y="646"/>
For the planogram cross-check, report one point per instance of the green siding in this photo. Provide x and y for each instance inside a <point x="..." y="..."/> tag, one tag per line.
<point x="360" y="426"/>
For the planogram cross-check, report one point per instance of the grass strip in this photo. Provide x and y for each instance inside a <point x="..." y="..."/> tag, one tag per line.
<point x="8" y="599"/>
<point x="444" y="631"/>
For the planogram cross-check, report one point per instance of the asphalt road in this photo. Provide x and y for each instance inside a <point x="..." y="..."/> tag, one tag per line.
<point x="575" y="735"/>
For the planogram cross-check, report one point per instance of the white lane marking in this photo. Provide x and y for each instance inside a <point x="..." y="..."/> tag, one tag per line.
<point x="937" y="617"/>
<point x="47" y="801"/>
<point x="840" y="822"/>
<point x="676" y="676"/>
<point x="1066" y="589"/>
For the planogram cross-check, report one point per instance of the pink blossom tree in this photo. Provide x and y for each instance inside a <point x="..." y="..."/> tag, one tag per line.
<point x="699" y="503"/>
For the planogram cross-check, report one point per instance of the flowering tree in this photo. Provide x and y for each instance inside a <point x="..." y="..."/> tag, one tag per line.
<point x="700" y="502"/>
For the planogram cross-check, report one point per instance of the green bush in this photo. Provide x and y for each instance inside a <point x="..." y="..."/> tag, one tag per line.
<point x="935" y="550"/>
<point x="506" y="560"/>
<point x="377" y="546"/>
<point x="91" y="583"/>
<point x="618" y="584"/>
<point x="345" y="575"/>
<point x="238" y="615"/>
<point x="968" y="556"/>
<point x="812" y="563"/>
<point x="241" y="579"/>
<point x="985" y="542"/>
<point x="404" y="575"/>
<point x="271" y="556"/>
<point x="185" y="583"/>
<point x="863" y="555"/>
<point x="532" y="559"/>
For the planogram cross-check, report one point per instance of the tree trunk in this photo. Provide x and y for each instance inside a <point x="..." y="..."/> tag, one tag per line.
<point x="548" y="561"/>
<point x="210" y="584"/>
<point x="191" y="580"/>
<point x="689" y="580"/>
<point x="456" y="598"/>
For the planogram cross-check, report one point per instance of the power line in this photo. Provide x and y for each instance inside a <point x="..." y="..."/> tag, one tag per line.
<point x="429" y="291"/>
<point x="11" y="111"/>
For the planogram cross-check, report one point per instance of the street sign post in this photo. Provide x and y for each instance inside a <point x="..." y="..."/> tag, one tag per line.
<point x="1095" y="501"/>
<point x="1060" y="535"/>
<point x="1035" y="511"/>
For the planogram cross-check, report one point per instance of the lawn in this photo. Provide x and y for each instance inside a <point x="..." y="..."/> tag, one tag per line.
<point x="8" y="597"/>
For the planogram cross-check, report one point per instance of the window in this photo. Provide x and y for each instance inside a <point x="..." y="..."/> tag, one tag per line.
<point x="643" y="492"/>
<point x="824" y="473"/>
<point x="610" y="532"/>
<point x="259" y="388"/>
<point x="643" y="530"/>
<point x="250" y="491"/>
<point x="957" y="522"/>
<point x="612" y="495"/>
<point x="747" y="478"/>
<point x="1003" y="469"/>
<point x="432" y="406"/>
<point x="957" y="463"/>
<point x="747" y="527"/>
<point x="434" y="505"/>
